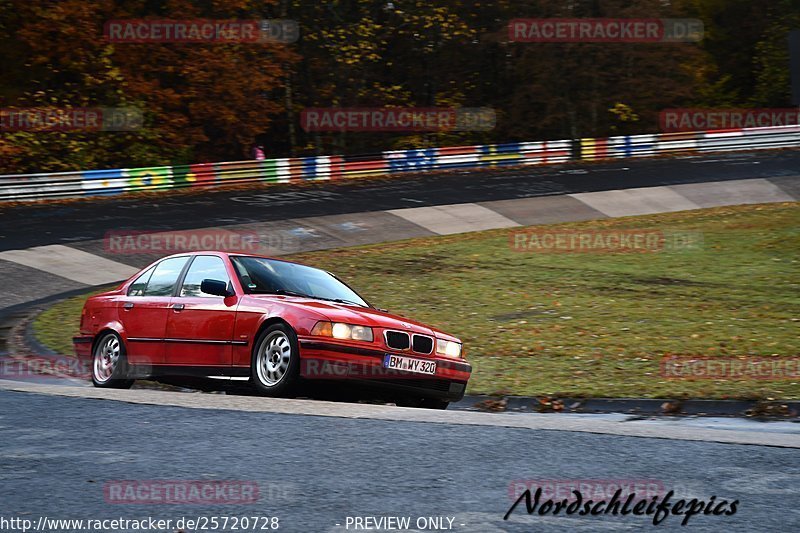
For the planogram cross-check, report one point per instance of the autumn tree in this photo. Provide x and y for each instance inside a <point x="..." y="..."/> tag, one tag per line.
<point x="201" y="101"/>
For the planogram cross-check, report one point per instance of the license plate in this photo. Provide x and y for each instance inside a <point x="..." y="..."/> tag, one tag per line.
<point x="409" y="364"/>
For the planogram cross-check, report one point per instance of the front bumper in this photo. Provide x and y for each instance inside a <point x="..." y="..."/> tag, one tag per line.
<point x="363" y="365"/>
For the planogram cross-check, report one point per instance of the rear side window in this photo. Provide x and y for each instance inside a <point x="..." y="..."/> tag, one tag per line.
<point x="203" y="267"/>
<point x="138" y="286"/>
<point x="165" y="276"/>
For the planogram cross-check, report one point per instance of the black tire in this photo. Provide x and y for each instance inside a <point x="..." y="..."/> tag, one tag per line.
<point x="271" y="373"/>
<point x="334" y="392"/>
<point x="110" y="362"/>
<point x="408" y="402"/>
<point x="423" y="403"/>
<point x="433" y="403"/>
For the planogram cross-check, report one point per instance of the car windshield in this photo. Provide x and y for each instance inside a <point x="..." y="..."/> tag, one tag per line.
<point x="269" y="276"/>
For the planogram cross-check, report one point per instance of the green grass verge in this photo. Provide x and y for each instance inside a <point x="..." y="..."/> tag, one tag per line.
<point x="586" y="324"/>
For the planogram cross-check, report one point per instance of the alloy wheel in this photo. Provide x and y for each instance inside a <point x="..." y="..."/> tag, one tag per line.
<point x="106" y="358"/>
<point x="274" y="357"/>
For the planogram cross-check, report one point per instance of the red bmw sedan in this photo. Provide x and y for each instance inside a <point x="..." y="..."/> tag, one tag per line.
<point x="272" y="323"/>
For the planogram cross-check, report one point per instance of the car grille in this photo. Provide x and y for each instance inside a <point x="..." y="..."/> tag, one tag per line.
<point x="397" y="340"/>
<point x="422" y="344"/>
<point x="400" y="340"/>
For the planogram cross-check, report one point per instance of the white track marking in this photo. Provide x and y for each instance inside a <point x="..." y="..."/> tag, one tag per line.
<point x="455" y="218"/>
<point x="630" y="202"/>
<point x="71" y="263"/>
<point x="721" y="193"/>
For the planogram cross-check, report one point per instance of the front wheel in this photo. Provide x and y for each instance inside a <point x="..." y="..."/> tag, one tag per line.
<point x="109" y="363"/>
<point x="275" y="363"/>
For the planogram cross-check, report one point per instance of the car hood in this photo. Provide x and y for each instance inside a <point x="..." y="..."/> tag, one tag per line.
<point x="353" y="314"/>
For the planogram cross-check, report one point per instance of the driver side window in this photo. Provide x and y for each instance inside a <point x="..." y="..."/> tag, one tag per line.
<point x="203" y="267"/>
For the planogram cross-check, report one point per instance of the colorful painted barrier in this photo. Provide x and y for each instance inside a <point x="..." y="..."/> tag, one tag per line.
<point x="21" y="187"/>
<point x="690" y="142"/>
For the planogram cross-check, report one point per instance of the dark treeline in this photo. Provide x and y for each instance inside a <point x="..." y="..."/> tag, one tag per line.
<point x="211" y="102"/>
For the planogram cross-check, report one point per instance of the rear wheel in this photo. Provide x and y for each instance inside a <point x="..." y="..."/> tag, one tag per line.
<point x="109" y="363"/>
<point x="275" y="362"/>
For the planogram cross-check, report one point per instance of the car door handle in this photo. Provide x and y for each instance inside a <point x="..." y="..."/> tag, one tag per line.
<point x="178" y="307"/>
<point x="127" y="306"/>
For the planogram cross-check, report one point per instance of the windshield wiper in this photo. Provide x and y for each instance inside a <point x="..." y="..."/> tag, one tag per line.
<point x="284" y="292"/>
<point x="281" y="292"/>
<point x="340" y="300"/>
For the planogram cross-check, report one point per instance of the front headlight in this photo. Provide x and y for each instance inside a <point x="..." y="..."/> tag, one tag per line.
<point x="448" y="348"/>
<point x="340" y="330"/>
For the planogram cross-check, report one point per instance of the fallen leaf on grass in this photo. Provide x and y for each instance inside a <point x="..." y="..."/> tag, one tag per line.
<point x="547" y="405"/>
<point x="492" y="405"/>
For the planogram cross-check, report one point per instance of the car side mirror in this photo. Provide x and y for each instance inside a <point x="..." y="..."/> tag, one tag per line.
<point x="215" y="287"/>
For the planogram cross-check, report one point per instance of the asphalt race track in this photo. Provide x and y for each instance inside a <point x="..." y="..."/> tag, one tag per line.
<point x="66" y="247"/>
<point x="36" y="225"/>
<point x="315" y="471"/>
<point x="317" y="463"/>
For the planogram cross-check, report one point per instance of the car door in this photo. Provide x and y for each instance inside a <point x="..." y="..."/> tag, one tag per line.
<point x="144" y="311"/>
<point x="200" y="325"/>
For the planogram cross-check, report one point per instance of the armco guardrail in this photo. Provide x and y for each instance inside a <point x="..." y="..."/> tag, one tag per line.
<point x="20" y="187"/>
<point x="695" y="141"/>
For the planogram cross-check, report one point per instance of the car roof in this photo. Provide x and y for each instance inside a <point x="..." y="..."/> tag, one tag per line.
<point x="225" y="254"/>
